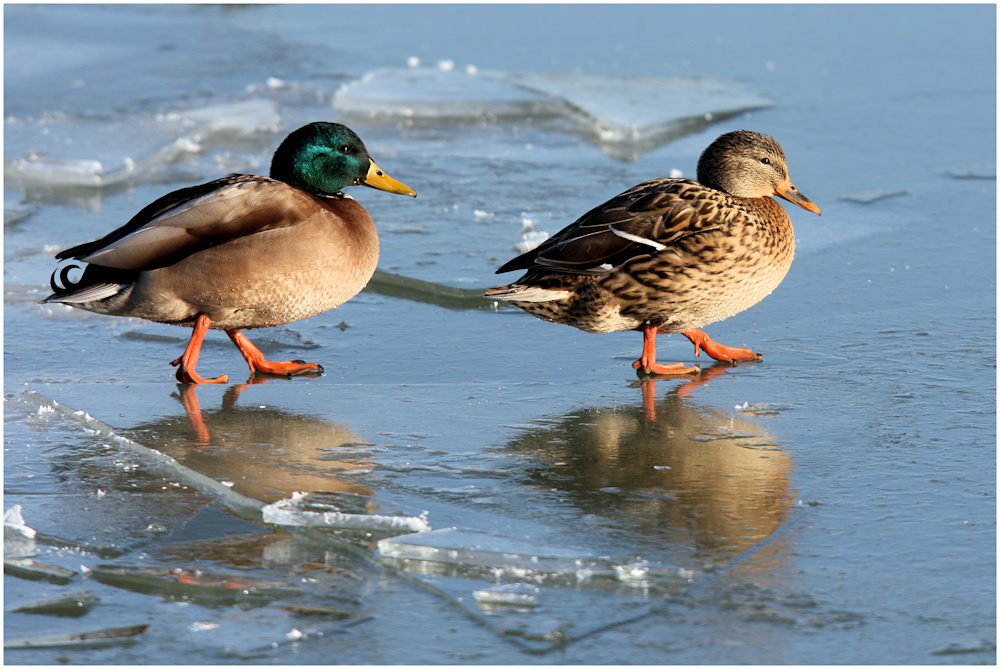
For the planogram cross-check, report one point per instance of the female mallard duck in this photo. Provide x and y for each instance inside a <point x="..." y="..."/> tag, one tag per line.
<point x="670" y="255"/>
<point x="241" y="252"/>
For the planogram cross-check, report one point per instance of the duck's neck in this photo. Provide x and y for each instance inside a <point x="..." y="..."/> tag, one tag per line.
<point x="773" y="227"/>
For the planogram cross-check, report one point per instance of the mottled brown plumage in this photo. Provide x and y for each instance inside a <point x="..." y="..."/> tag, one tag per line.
<point x="241" y="252"/>
<point x="670" y="255"/>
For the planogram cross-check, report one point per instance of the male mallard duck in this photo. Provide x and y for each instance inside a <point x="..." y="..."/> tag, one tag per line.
<point x="670" y="255"/>
<point x="241" y="252"/>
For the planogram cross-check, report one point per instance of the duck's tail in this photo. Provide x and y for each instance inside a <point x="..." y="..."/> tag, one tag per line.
<point x="520" y="293"/>
<point x="95" y="284"/>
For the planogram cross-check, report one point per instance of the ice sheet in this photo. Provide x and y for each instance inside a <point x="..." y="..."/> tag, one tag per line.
<point x="530" y="591"/>
<point x="627" y="116"/>
<point x="624" y="116"/>
<point x="537" y="594"/>
<point x="437" y="95"/>
<point x="474" y="552"/>
<point x="458" y="380"/>
<point x="51" y="152"/>
<point x="476" y="548"/>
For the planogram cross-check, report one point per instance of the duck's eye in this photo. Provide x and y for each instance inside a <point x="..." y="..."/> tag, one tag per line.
<point x="346" y="149"/>
<point x="766" y="161"/>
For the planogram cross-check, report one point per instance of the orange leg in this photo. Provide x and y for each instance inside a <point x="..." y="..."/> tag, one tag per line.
<point x="186" y="363"/>
<point x="257" y="362"/>
<point x="647" y="361"/>
<point x="649" y="400"/>
<point x="190" y="401"/>
<point x="718" y="351"/>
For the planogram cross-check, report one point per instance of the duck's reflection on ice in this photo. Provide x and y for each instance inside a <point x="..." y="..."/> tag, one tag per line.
<point x="712" y="483"/>
<point x="267" y="452"/>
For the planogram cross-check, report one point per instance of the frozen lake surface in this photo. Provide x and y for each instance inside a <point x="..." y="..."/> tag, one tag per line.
<point x="485" y="487"/>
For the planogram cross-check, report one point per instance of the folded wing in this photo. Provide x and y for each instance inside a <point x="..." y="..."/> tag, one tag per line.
<point x="648" y="218"/>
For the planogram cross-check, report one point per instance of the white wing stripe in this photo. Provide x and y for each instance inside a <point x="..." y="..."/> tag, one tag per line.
<point x="637" y="239"/>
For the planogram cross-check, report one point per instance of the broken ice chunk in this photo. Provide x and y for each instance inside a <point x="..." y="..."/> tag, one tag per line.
<point x="36" y="169"/>
<point x="246" y="117"/>
<point x="480" y="549"/>
<point x="874" y="195"/>
<point x="966" y="646"/>
<point x="195" y="584"/>
<point x="306" y="510"/>
<point x="623" y="116"/>
<point x="39" y="170"/>
<point x="36" y="571"/>
<point x="75" y="605"/>
<point x="105" y="637"/>
<point x="101" y="155"/>
<point x="436" y="94"/>
<point x="530" y="239"/>
<point x="320" y="612"/>
<point x="973" y="172"/>
<point x="18" y="538"/>
<point x="645" y="574"/>
<point x="520" y="595"/>
<point x="17" y="213"/>
<point x="628" y="116"/>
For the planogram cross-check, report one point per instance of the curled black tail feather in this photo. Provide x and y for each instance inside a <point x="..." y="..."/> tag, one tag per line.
<point x="64" y="286"/>
<point x="94" y="277"/>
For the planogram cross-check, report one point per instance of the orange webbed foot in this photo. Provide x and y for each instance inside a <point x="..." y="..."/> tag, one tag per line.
<point x="655" y="368"/>
<point x="646" y="364"/>
<point x="258" y="365"/>
<point x="716" y="351"/>
<point x="186" y="363"/>
<point x="186" y="375"/>
<point x="285" y="368"/>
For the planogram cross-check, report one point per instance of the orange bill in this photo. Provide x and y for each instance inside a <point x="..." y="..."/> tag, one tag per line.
<point x="789" y="192"/>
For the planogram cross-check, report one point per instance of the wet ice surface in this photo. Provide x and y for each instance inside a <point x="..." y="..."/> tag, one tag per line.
<point x="834" y="504"/>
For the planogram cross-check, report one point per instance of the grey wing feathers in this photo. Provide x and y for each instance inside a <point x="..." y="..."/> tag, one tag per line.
<point x="169" y="229"/>
<point x="148" y="213"/>
<point x="233" y="208"/>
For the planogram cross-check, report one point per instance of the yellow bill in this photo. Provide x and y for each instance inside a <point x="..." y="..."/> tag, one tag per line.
<point x="376" y="178"/>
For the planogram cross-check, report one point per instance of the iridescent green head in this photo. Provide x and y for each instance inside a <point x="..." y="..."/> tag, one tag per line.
<point x="324" y="158"/>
